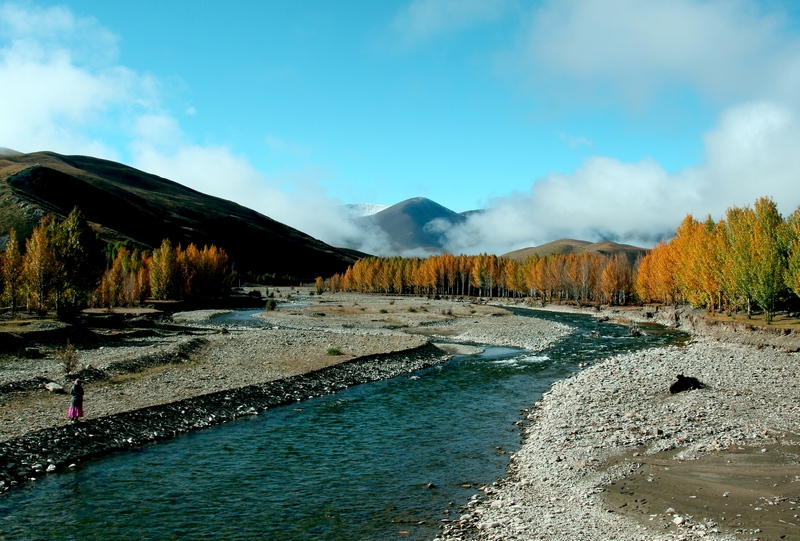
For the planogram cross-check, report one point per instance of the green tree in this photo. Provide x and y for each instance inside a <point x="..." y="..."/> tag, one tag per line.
<point x="768" y="256"/>
<point x="40" y="267"/>
<point x="739" y="239"/>
<point x="79" y="261"/>
<point x="164" y="272"/>
<point x="12" y="272"/>
<point x="792" y="273"/>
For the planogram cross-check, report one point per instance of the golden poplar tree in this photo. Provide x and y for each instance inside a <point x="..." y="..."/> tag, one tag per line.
<point x="12" y="272"/>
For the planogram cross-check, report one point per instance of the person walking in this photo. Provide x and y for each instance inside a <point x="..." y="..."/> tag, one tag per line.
<point x="76" y="403"/>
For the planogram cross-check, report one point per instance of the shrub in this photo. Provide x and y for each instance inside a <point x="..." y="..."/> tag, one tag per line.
<point x="334" y="351"/>
<point x="271" y="304"/>
<point x="384" y="311"/>
<point x="67" y="357"/>
<point x="412" y="310"/>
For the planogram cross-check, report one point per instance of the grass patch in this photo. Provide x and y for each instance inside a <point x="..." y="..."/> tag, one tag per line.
<point x="334" y="351"/>
<point x="130" y="377"/>
<point x="780" y="321"/>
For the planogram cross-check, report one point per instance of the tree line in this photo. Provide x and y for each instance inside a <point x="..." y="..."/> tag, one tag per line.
<point x="584" y="278"/>
<point x="748" y="259"/>
<point x="61" y="267"/>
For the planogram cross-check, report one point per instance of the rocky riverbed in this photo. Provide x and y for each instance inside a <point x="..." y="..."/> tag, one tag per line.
<point x="155" y="381"/>
<point x="610" y="453"/>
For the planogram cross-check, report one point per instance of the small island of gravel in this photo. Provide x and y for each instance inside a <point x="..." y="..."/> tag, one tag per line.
<point x="149" y="381"/>
<point x="608" y="453"/>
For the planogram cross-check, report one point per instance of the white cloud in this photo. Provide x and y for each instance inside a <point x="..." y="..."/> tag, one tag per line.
<point x="59" y="86"/>
<point x="215" y="170"/>
<point x="752" y="152"/>
<point x="734" y="53"/>
<point x="424" y="19"/>
<point x="726" y="49"/>
<point x="35" y="32"/>
<point x="68" y="86"/>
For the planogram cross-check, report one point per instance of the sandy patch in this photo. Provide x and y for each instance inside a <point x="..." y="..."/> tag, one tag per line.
<point x="748" y="492"/>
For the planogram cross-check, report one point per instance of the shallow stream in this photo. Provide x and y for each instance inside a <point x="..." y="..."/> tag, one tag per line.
<point x="384" y="460"/>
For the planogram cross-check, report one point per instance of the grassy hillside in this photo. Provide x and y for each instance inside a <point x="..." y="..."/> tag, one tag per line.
<point x="124" y="204"/>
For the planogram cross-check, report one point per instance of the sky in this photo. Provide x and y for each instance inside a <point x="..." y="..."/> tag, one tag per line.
<point x="564" y="118"/>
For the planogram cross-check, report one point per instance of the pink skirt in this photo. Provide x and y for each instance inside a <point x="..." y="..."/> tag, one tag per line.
<point x="74" y="412"/>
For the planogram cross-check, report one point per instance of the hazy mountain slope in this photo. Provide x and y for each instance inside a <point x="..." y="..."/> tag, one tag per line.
<point x="125" y="204"/>
<point x="577" y="247"/>
<point x="412" y="224"/>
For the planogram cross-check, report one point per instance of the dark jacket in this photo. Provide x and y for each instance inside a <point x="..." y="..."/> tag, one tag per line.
<point x="77" y="396"/>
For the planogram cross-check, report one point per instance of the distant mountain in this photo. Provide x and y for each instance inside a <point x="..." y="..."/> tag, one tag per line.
<point x="359" y="210"/>
<point x="415" y="224"/>
<point x="127" y="205"/>
<point x="577" y="247"/>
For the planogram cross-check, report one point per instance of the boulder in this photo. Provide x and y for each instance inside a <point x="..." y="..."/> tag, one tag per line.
<point x="54" y="387"/>
<point x="685" y="383"/>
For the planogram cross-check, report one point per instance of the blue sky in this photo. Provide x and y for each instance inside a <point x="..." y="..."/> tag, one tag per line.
<point x="575" y="118"/>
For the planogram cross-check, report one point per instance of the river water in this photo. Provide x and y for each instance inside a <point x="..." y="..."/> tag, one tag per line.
<point x="385" y="460"/>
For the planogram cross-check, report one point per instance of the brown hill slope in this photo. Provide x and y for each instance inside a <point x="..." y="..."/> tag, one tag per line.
<point x="577" y="247"/>
<point x="124" y="204"/>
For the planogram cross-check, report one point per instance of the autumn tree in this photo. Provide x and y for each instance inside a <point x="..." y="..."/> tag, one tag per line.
<point x="12" y="264"/>
<point x="769" y="256"/>
<point x="617" y="279"/>
<point x="792" y="272"/>
<point x="126" y="282"/>
<point x="78" y="261"/>
<point x="739" y="238"/>
<point x="40" y="269"/>
<point x="164" y="272"/>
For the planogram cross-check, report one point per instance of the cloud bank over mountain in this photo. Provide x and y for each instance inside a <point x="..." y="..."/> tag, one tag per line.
<point x="72" y="94"/>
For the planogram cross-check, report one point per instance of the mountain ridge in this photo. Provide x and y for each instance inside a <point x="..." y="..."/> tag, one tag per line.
<point x="126" y="205"/>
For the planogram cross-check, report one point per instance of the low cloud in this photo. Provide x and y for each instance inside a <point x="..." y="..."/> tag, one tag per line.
<point x="215" y="170"/>
<point x="750" y="153"/>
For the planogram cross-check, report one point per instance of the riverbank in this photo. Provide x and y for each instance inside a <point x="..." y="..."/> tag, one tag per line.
<point x="610" y="454"/>
<point x="187" y="373"/>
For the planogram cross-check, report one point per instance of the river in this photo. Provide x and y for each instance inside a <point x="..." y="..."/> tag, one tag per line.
<point x="385" y="460"/>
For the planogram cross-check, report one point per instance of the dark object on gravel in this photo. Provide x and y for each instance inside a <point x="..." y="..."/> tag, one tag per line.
<point x="685" y="383"/>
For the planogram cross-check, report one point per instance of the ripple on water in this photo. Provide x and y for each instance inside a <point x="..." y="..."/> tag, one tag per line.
<point x="365" y="463"/>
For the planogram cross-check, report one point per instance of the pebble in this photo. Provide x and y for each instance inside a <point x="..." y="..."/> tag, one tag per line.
<point x="214" y="376"/>
<point x="621" y="406"/>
